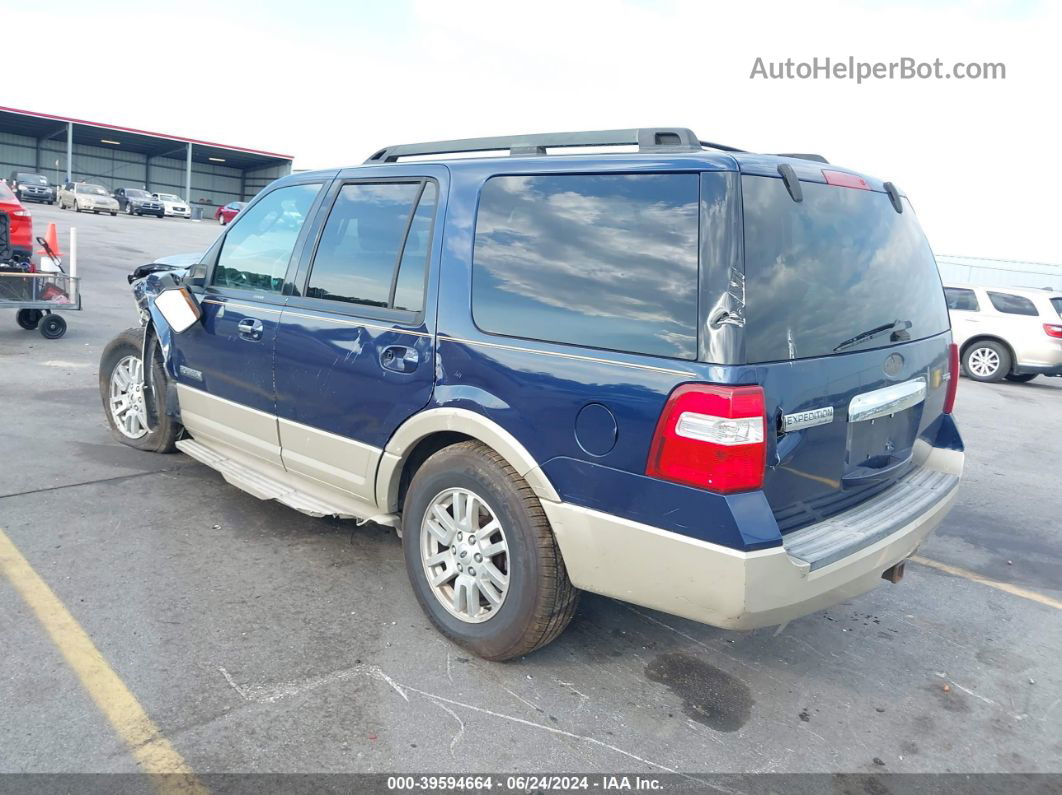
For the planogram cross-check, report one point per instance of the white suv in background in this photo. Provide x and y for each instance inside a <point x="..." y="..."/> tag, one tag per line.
<point x="1006" y="332"/>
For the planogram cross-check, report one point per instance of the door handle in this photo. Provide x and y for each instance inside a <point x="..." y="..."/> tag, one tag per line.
<point x="250" y="329"/>
<point x="399" y="358"/>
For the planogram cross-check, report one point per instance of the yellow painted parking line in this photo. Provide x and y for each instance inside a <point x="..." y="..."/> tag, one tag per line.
<point x="153" y="752"/>
<point x="1006" y="587"/>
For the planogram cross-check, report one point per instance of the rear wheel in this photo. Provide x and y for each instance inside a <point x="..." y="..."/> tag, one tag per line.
<point x="986" y="361"/>
<point x="29" y="318"/>
<point x="481" y="556"/>
<point x="128" y="403"/>
<point x="1021" y="378"/>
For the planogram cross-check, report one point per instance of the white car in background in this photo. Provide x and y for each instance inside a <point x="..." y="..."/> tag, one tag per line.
<point x="1006" y="332"/>
<point x="173" y="204"/>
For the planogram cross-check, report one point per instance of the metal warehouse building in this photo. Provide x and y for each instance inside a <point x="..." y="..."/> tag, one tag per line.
<point x="998" y="272"/>
<point x="207" y="175"/>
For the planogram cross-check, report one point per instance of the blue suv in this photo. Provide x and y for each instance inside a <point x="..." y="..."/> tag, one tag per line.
<point x="709" y="382"/>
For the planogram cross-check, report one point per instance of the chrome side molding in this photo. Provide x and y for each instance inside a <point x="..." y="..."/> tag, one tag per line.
<point x="886" y="401"/>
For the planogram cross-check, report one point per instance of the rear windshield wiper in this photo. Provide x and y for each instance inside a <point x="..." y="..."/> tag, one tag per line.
<point x="896" y="326"/>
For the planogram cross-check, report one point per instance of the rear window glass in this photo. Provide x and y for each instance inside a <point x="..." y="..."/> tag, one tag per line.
<point x="839" y="271"/>
<point x="1057" y="304"/>
<point x="604" y="261"/>
<point x="1012" y="304"/>
<point x="965" y="300"/>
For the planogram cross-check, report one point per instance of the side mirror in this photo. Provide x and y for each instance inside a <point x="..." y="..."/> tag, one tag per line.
<point x="179" y="308"/>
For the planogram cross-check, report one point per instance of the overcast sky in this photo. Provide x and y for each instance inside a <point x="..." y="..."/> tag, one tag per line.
<point x="331" y="81"/>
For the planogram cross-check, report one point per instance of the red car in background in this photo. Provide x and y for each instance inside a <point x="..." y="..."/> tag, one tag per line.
<point x="226" y="213"/>
<point x="21" y="222"/>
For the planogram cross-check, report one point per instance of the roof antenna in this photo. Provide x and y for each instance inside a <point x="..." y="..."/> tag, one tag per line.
<point x="894" y="197"/>
<point x="792" y="184"/>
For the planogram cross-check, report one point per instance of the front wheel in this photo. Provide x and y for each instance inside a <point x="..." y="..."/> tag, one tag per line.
<point x="77" y="207"/>
<point x="128" y="403"/>
<point x="481" y="556"/>
<point x="986" y="361"/>
<point x="52" y="327"/>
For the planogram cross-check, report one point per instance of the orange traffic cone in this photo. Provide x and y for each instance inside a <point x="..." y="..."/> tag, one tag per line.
<point x="51" y="262"/>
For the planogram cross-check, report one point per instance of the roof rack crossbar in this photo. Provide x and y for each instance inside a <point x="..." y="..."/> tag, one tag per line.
<point x="647" y="139"/>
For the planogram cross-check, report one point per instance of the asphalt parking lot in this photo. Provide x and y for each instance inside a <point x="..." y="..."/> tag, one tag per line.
<point x="259" y="639"/>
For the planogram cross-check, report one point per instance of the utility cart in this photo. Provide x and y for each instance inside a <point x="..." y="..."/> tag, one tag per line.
<point x="37" y="295"/>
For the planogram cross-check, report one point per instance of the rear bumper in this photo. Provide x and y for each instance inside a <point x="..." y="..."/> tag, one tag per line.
<point x="730" y="588"/>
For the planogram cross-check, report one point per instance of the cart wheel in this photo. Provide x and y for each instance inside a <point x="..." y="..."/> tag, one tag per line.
<point x="52" y="327"/>
<point x="29" y="318"/>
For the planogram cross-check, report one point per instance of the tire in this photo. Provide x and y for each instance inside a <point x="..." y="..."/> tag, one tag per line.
<point x="29" y="318"/>
<point x="986" y="361"/>
<point x="538" y="599"/>
<point x="76" y="207"/>
<point x="114" y="213"/>
<point x="129" y="209"/>
<point x="52" y="327"/>
<point x="125" y="346"/>
<point x="1023" y="378"/>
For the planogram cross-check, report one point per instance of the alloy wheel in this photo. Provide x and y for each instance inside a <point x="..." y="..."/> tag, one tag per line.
<point x="983" y="362"/>
<point x="465" y="555"/>
<point x="128" y="409"/>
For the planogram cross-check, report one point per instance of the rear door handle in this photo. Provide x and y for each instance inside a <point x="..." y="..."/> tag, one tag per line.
<point x="250" y="329"/>
<point x="399" y="358"/>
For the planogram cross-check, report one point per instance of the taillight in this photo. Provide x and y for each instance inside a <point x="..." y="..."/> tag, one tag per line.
<point x="1053" y="330"/>
<point x="713" y="437"/>
<point x="21" y="213"/>
<point x="953" y="378"/>
<point x="844" y="180"/>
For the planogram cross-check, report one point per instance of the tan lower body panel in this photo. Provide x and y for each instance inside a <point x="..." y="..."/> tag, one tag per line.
<point x="713" y="584"/>
<point x="241" y="430"/>
<point x="330" y="460"/>
<point x="322" y="474"/>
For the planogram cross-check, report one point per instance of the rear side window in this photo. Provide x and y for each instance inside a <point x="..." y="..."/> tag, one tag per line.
<point x="964" y="300"/>
<point x="1057" y="304"/>
<point x="258" y="246"/>
<point x="375" y="245"/>
<point x="839" y="271"/>
<point x="603" y="261"/>
<point x="1012" y="304"/>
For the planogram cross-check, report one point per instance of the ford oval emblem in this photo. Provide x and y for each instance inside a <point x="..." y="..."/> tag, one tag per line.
<point x="893" y="364"/>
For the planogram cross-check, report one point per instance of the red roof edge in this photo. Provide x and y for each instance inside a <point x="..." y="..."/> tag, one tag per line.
<point x="145" y="132"/>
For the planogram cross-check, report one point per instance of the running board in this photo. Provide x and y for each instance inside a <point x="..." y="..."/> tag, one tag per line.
<point x="265" y="487"/>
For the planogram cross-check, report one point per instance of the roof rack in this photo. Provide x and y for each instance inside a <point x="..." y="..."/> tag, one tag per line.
<point x="816" y="158"/>
<point x="648" y="139"/>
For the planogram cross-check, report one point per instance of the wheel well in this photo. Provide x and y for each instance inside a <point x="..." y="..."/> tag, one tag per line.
<point x="989" y="338"/>
<point x="425" y="449"/>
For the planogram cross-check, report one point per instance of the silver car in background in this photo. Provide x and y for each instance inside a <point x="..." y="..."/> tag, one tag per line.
<point x="1006" y="332"/>
<point x="87" y="197"/>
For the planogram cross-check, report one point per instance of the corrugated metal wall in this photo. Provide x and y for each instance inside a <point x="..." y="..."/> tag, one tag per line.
<point x="212" y="185"/>
<point x="998" y="273"/>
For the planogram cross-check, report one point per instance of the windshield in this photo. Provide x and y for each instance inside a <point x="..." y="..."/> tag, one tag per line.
<point x="132" y="193"/>
<point x="95" y="190"/>
<point x="169" y="197"/>
<point x="839" y="271"/>
<point x="35" y="179"/>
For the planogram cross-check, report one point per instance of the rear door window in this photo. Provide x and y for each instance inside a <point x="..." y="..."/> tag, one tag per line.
<point x="839" y="271"/>
<point x="603" y="261"/>
<point x="1010" y="304"/>
<point x="961" y="299"/>
<point x="374" y="247"/>
<point x="258" y="246"/>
